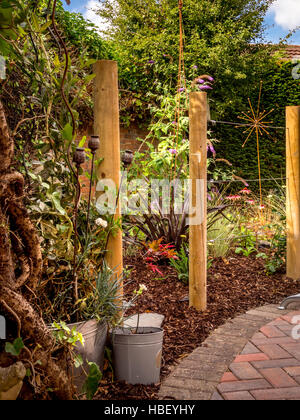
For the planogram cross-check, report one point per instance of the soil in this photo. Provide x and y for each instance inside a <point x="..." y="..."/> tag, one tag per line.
<point x="235" y="285"/>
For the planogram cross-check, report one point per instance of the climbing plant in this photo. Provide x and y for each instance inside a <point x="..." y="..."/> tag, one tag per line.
<point x="43" y="99"/>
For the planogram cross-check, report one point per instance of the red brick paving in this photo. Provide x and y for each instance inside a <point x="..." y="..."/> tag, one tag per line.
<point x="250" y="349"/>
<point x="229" y="377"/>
<point x="278" y="378"/>
<point x="282" y="363"/>
<point x="277" y="394"/>
<point x="272" y="332"/>
<point x="255" y="357"/>
<point x="278" y="340"/>
<point x="274" y="351"/>
<point x="269" y="366"/>
<point x="238" y="396"/>
<point x="293" y="349"/>
<point x="293" y="371"/>
<point x="256" y="350"/>
<point x="243" y="385"/>
<point x="245" y="371"/>
<point x="279" y="322"/>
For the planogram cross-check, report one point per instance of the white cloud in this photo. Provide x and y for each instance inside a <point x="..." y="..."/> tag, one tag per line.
<point x="89" y="14"/>
<point x="287" y="13"/>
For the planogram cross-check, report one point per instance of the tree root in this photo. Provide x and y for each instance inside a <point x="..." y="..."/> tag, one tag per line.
<point x="6" y="142"/>
<point x="35" y="330"/>
<point x="20" y="252"/>
<point x="22" y="226"/>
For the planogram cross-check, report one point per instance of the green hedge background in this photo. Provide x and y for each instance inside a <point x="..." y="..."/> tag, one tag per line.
<point x="279" y="90"/>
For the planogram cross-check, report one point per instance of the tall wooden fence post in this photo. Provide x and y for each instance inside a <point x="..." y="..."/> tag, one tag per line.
<point x="293" y="191"/>
<point x="198" y="200"/>
<point x="107" y="126"/>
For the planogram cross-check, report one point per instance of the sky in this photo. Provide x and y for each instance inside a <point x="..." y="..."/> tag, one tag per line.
<point x="283" y="16"/>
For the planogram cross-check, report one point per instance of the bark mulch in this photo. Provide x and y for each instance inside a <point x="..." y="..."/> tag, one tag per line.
<point x="235" y="286"/>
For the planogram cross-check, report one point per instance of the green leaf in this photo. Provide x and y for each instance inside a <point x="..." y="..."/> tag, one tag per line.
<point x="82" y="141"/>
<point x="55" y="197"/>
<point x="45" y="185"/>
<point x="108" y="354"/>
<point x="92" y="382"/>
<point x="78" y="360"/>
<point x="15" y="348"/>
<point x="80" y="339"/>
<point x="68" y="132"/>
<point x="89" y="62"/>
<point x="45" y="26"/>
<point x="89" y="78"/>
<point x="262" y="255"/>
<point x="35" y="22"/>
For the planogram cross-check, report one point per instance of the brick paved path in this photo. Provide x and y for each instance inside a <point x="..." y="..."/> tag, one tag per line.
<point x="252" y="357"/>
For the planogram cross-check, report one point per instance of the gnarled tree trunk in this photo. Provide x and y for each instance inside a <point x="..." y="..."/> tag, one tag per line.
<point x="20" y="251"/>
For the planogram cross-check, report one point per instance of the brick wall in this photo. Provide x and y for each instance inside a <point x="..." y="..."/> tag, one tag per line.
<point x="128" y="141"/>
<point x="128" y="136"/>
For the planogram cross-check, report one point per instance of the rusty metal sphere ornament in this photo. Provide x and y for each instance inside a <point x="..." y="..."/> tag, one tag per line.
<point x="127" y="157"/>
<point x="94" y="143"/>
<point x="79" y="156"/>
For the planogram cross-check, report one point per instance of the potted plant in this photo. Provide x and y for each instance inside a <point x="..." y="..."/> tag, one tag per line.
<point x="88" y="337"/>
<point x="137" y="351"/>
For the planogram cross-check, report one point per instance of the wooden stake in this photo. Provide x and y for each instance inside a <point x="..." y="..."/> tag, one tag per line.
<point x="198" y="174"/>
<point x="107" y="126"/>
<point x="293" y="191"/>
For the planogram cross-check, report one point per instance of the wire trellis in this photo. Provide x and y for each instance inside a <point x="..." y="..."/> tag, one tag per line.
<point x="235" y="124"/>
<point x="211" y="181"/>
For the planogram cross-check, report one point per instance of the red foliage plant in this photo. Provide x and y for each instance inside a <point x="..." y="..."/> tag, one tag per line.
<point x="159" y="253"/>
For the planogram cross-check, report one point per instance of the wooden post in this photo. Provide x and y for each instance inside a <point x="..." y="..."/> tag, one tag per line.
<point x="198" y="174"/>
<point x="107" y="126"/>
<point x="293" y="191"/>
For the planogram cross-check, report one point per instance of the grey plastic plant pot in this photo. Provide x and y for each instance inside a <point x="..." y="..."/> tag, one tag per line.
<point x="137" y="357"/>
<point x="95" y="335"/>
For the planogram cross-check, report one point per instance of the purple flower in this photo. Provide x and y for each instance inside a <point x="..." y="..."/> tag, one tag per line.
<point x="205" y="87"/>
<point x="211" y="149"/>
<point x="181" y="90"/>
<point x="211" y="79"/>
<point x="209" y="197"/>
<point x="195" y="67"/>
<point x="173" y="151"/>
<point x="151" y="62"/>
<point x="174" y="122"/>
<point x="201" y="81"/>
